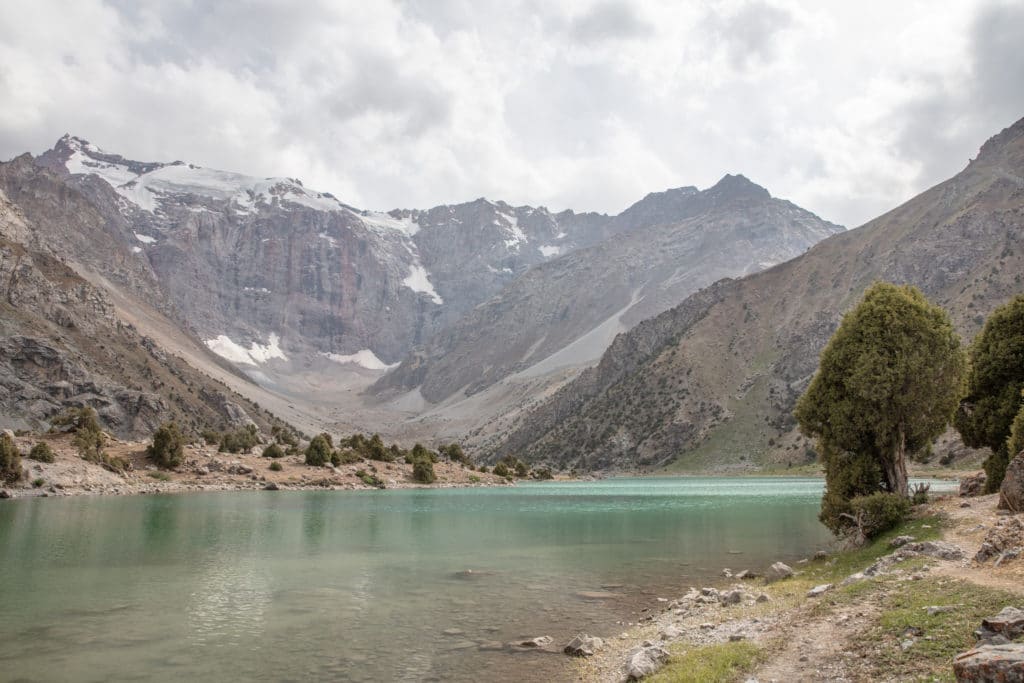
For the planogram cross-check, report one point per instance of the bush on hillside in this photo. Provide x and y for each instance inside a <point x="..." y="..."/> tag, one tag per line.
<point x="875" y="514"/>
<point x="318" y="453"/>
<point x="10" y="460"/>
<point x="168" y="447"/>
<point x="423" y="471"/>
<point x="42" y="452"/>
<point x="273" y="451"/>
<point x="239" y="441"/>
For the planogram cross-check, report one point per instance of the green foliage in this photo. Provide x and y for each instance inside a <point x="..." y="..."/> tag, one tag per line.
<point x="1015" y="442"/>
<point x="542" y="473"/>
<point x="370" y="479"/>
<point x="473" y="479"/>
<point x="168" y="447"/>
<point x="501" y="469"/>
<point x="423" y="471"/>
<point x="275" y="466"/>
<point x="42" y="452"/>
<point x="454" y="452"/>
<point x="318" y="453"/>
<point x="345" y="456"/>
<point x="710" y="663"/>
<point x="160" y="476"/>
<point x="10" y="460"/>
<point x="38" y="482"/>
<point x="879" y="512"/>
<point x="284" y="435"/>
<point x="239" y="441"/>
<point x="273" y="451"/>
<point x="920" y="494"/>
<point x="89" y="438"/>
<point x="210" y="436"/>
<point x="994" y="387"/>
<point x="887" y="386"/>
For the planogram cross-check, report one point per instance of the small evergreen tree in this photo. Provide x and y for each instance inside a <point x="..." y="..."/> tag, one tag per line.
<point x="318" y="453"/>
<point x="273" y="451"/>
<point x="887" y="386"/>
<point x="423" y="471"/>
<point x="501" y="469"/>
<point x="1015" y="443"/>
<point x="10" y="460"/>
<point x="89" y="438"/>
<point x="168" y="447"/>
<point x="994" y="387"/>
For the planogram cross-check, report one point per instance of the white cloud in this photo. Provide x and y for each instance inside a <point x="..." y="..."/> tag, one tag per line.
<point x="846" y="109"/>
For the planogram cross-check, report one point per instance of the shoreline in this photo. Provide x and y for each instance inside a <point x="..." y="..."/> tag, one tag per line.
<point x="780" y="631"/>
<point x="206" y="470"/>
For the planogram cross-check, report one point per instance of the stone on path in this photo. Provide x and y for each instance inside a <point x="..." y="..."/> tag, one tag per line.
<point x="820" y="590"/>
<point x="991" y="664"/>
<point x="645" y="661"/>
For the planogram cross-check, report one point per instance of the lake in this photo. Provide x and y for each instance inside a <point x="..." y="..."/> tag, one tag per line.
<point x="362" y="586"/>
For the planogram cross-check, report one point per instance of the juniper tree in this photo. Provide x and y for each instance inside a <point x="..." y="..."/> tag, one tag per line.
<point x="994" y="387"/>
<point x="887" y="386"/>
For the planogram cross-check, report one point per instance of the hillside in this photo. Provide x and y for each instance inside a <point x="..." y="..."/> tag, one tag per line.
<point x="711" y="383"/>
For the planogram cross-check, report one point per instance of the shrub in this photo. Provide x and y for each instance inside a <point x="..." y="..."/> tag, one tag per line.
<point x="89" y="438"/>
<point x="501" y="469"/>
<point x="275" y="466"/>
<point x="273" y="451"/>
<point x="370" y="479"/>
<point x="160" y="476"/>
<point x="10" y="460"/>
<point x="521" y="469"/>
<point x="919" y="496"/>
<point x="473" y="479"/>
<point x="42" y="452"/>
<point x="345" y="456"/>
<point x="210" y="436"/>
<point x="38" y="482"/>
<point x="876" y="514"/>
<point x="318" y="453"/>
<point x="423" y="471"/>
<point x="168" y="447"/>
<point x="542" y="473"/>
<point x="240" y="440"/>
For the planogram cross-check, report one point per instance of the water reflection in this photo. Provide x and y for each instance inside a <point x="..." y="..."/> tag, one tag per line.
<point x="367" y="586"/>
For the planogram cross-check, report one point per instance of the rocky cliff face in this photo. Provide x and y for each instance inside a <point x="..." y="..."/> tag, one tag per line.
<point x="712" y="382"/>
<point x="264" y="268"/>
<point x="62" y="345"/>
<point x="564" y="313"/>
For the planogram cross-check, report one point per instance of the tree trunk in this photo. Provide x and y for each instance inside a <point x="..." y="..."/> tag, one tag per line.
<point x="895" y="468"/>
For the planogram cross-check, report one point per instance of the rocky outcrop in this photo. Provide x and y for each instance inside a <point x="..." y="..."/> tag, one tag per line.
<point x="722" y="383"/>
<point x="1004" y="541"/>
<point x="1011" y="492"/>
<point x="973" y="485"/>
<point x="991" y="664"/>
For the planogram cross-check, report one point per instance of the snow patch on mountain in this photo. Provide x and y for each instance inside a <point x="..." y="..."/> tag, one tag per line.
<point x="145" y="190"/>
<point x="256" y="354"/>
<point x="379" y="220"/>
<point x="547" y="251"/>
<point x="365" y="359"/>
<point x="145" y="239"/>
<point x="418" y="280"/>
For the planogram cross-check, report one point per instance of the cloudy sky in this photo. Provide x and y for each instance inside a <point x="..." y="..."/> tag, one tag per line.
<point x="845" y="108"/>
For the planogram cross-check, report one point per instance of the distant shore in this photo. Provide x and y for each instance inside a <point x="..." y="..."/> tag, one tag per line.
<point x="206" y="469"/>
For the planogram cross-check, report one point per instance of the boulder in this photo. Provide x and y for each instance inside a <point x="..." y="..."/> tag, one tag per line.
<point x="271" y="486"/>
<point x="1009" y="622"/>
<point x="1004" y="541"/>
<point x="779" y="571"/>
<point x="645" y="661"/>
<point x="4" y="493"/>
<point x="1011" y="493"/>
<point x="901" y="541"/>
<point x="670" y="632"/>
<point x="991" y="663"/>
<point x="583" y="645"/>
<point x="733" y="597"/>
<point x="973" y="485"/>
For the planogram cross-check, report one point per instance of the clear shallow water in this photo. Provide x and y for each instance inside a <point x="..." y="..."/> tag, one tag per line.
<point x="362" y="585"/>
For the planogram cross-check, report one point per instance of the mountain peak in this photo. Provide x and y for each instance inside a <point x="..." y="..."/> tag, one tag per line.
<point x="737" y="186"/>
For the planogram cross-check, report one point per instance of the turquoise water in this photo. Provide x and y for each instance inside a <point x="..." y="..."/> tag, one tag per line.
<point x="362" y="585"/>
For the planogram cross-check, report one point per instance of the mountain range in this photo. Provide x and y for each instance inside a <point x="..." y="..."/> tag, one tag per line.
<point x="711" y="383"/>
<point x="298" y="301"/>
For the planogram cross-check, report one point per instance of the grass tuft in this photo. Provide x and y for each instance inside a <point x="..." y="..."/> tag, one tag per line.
<point x="711" y="663"/>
